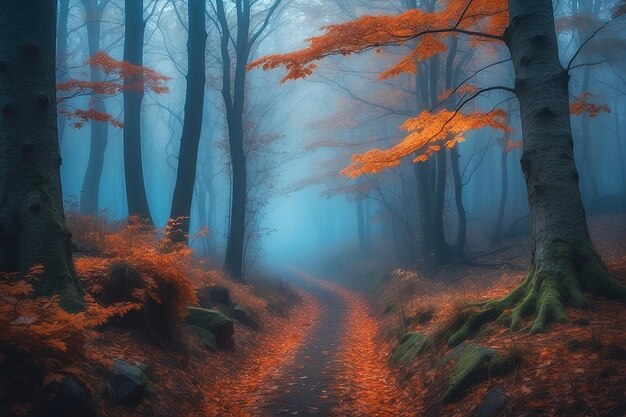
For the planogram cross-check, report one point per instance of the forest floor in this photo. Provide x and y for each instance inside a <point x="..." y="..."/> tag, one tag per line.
<point x="326" y="350"/>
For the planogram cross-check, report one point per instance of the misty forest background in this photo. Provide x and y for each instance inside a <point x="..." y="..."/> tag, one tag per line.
<point x="338" y="207"/>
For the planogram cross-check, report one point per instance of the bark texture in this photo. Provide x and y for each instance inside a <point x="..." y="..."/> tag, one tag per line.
<point x="192" y="124"/>
<point x="133" y="97"/>
<point x="32" y="223"/>
<point x="564" y="260"/>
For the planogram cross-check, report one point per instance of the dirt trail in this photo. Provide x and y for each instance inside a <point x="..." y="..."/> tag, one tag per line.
<point x="305" y="387"/>
<point x="341" y="369"/>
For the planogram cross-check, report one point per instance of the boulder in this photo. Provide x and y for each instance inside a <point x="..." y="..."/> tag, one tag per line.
<point x="242" y="315"/>
<point x="411" y="346"/>
<point x="216" y="294"/>
<point x="494" y="401"/>
<point x="129" y="383"/>
<point x="206" y="337"/>
<point x="471" y="368"/>
<point x="70" y="399"/>
<point x="213" y="321"/>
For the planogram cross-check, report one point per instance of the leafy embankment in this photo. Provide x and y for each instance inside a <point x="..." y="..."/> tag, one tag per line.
<point x="130" y="352"/>
<point x="573" y="368"/>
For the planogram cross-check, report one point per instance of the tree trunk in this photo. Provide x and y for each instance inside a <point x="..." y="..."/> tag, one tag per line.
<point x="235" y="104"/>
<point x="61" y="65"/>
<point x="564" y="260"/>
<point x="32" y="223"/>
<point x="504" y="180"/>
<point x="89" y="201"/>
<point x="590" y="185"/>
<point x="133" y="96"/>
<point x="192" y="124"/>
<point x="461" y="233"/>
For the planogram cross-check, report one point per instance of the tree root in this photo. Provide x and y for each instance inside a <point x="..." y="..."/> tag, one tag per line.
<point x="545" y="292"/>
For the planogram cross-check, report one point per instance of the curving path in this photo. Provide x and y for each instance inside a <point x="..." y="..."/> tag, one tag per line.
<point x="305" y="387"/>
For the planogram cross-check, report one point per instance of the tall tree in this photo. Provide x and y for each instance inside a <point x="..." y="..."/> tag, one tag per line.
<point x="94" y="10"/>
<point x="564" y="260"/>
<point x="234" y="96"/>
<point x="62" y="67"/>
<point x="192" y="123"/>
<point x="32" y="223"/>
<point x="133" y="97"/>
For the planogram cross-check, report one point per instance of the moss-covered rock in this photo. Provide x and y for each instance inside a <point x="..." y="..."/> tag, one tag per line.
<point x="243" y="316"/>
<point x="501" y="365"/>
<point x="213" y="321"/>
<point x="471" y="368"/>
<point x="206" y="337"/>
<point x="411" y="346"/>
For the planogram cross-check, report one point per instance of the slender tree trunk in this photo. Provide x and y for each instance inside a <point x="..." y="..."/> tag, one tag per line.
<point x="504" y="180"/>
<point x="32" y="223"/>
<point x="590" y="185"/>
<point x="62" y="67"/>
<point x="192" y="124"/>
<point x="133" y="96"/>
<point x="564" y="260"/>
<point x="461" y="234"/>
<point x="89" y="201"/>
<point x="235" y="105"/>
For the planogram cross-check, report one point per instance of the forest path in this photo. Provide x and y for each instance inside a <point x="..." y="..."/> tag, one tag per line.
<point x="305" y="386"/>
<point x="341" y="368"/>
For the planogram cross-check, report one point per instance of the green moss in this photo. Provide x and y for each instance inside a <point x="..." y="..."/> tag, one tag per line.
<point x="501" y="365"/>
<point x="471" y="368"/>
<point x="412" y="344"/>
<point x="471" y="326"/>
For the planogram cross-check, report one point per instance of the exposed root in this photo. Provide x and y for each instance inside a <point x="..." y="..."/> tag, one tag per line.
<point x="545" y="292"/>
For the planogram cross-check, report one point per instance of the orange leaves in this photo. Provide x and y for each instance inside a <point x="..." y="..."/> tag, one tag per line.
<point x="244" y="393"/>
<point x="119" y="76"/>
<point x="583" y="105"/>
<point x="429" y="133"/>
<point x="367" y="384"/>
<point x="482" y="18"/>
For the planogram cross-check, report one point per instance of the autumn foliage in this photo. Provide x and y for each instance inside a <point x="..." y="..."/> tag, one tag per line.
<point x="41" y="343"/>
<point x="427" y="34"/>
<point x="428" y="133"/>
<point x="485" y="18"/>
<point x="118" y="77"/>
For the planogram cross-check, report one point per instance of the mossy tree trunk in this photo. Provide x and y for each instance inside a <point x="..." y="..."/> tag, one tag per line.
<point x="564" y="260"/>
<point x="32" y="223"/>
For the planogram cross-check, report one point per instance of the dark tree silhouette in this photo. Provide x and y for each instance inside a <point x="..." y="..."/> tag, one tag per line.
<point x="192" y="123"/>
<point x="133" y="164"/>
<point x="90" y="190"/>
<point x="32" y="223"/>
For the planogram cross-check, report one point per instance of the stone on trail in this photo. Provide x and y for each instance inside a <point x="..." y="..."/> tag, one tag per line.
<point x="206" y="337"/>
<point x="213" y="321"/>
<point x="242" y="315"/>
<point x="216" y="294"/>
<point x="70" y="399"/>
<point x="129" y="383"/>
<point x="494" y="401"/>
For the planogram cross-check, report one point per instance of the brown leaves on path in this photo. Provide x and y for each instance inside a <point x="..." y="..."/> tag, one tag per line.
<point x="367" y="384"/>
<point x="244" y="392"/>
